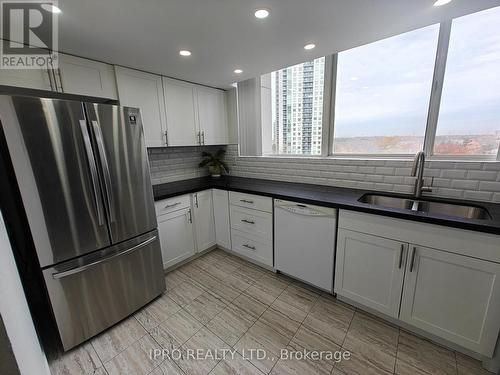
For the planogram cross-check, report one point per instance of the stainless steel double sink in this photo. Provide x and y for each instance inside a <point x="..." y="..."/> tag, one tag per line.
<point x="427" y="206"/>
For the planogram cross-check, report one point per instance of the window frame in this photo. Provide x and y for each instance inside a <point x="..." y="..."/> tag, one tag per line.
<point x="432" y="113"/>
<point x="328" y="80"/>
<point x="329" y="101"/>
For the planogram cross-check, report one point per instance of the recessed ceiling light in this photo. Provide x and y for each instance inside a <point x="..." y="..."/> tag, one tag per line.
<point x="51" y="8"/>
<point x="184" y="52"/>
<point x="238" y="71"/>
<point x="309" y="46"/>
<point x="261" y="13"/>
<point x="439" y="3"/>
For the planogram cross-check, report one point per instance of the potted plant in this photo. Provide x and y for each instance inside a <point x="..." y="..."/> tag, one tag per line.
<point x="214" y="162"/>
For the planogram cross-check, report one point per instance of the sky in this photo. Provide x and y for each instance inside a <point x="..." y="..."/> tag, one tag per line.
<point x="383" y="88"/>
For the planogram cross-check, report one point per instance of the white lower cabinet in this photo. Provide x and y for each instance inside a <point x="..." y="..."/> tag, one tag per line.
<point x="441" y="280"/>
<point x="221" y="217"/>
<point x="252" y="227"/>
<point x="203" y="209"/>
<point x="453" y="297"/>
<point x="252" y="247"/>
<point x="176" y="236"/>
<point x="370" y="270"/>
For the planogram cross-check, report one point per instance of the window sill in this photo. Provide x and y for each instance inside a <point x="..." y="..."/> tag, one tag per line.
<point x="367" y="157"/>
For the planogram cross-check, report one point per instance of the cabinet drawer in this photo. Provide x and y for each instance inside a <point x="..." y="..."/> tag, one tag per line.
<point x="253" y="222"/>
<point x="166" y="206"/>
<point x="255" y="202"/>
<point x="252" y="247"/>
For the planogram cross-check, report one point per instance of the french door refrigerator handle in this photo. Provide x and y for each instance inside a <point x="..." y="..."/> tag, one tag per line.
<point x="93" y="170"/>
<point x="59" y="275"/>
<point x="105" y="167"/>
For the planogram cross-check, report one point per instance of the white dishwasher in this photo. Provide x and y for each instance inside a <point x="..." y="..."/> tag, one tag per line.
<point x="304" y="242"/>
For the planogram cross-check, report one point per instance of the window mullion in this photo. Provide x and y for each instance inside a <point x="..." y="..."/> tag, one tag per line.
<point x="329" y="106"/>
<point x="437" y="86"/>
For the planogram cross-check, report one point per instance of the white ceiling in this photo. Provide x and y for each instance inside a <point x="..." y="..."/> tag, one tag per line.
<point x="224" y="34"/>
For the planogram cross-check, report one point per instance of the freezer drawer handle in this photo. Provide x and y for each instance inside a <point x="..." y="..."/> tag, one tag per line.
<point x="249" y="246"/>
<point x="246" y="201"/>
<point x="59" y="275"/>
<point x="248" y="221"/>
<point x="93" y="170"/>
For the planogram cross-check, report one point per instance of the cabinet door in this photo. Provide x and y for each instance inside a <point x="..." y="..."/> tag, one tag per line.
<point x="213" y="116"/>
<point x="176" y="237"/>
<point x="204" y="219"/>
<point x="145" y="91"/>
<point x="182" y="117"/>
<point x="87" y="77"/>
<point x="221" y="218"/>
<point x="454" y="297"/>
<point x="28" y="78"/>
<point x="370" y="270"/>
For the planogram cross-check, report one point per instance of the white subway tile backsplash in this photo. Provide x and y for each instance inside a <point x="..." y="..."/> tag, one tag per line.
<point x="384" y="170"/>
<point x="489" y="186"/>
<point x="465" y="184"/>
<point x="478" y="195"/>
<point x="483" y="175"/>
<point x="452" y="173"/>
<point x="469" y="180"/>
<point x="492" y="166"/>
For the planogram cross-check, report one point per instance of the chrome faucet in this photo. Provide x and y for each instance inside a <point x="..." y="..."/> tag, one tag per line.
<point x="418" y="171"/>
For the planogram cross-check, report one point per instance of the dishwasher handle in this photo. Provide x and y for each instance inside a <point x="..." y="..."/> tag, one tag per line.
<point x="305" y="210"/>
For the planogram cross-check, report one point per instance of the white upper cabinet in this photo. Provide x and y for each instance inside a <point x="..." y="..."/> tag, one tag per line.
<point x="212" y="116"/>
<point x="370" y="270"/>
<point x="182" y="116"/>
<point x="145" y="91"/>
<point x="74" y="76"/>
<point x="196" y="115"/>
<point x="453" y="297"/>
<point x="27" y="78"/>
<point x="86" y="77"/>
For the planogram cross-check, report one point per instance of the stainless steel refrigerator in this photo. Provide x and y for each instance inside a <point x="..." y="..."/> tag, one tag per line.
<point x="83" y="176"/>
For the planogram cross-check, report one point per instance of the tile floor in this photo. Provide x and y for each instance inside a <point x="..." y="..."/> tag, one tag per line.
<point x="219" y="301"/>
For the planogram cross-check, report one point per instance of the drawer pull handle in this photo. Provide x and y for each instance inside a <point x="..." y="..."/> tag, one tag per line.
<point x="249" y="246"/>
<point x="413" y="253"/>
<point x="401" y="255"/>
<point x="246" y="201"/>
<point x="172" y="205"/>
<point x="248" y="221"/>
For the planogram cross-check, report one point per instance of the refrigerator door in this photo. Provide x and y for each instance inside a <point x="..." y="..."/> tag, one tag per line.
<point x="50" y="148"/>
<point x="124" y="165"/>
<point x="92" y="293"/>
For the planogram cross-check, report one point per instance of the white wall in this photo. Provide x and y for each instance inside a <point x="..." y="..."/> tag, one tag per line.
<point x="15" y="314"/>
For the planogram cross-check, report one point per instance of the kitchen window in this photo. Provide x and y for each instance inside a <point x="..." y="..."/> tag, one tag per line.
<point x="296" y="97"/>
<point x="435" y="89"/>
<point x="469" y="114"/>
<point x="383" y="92"/>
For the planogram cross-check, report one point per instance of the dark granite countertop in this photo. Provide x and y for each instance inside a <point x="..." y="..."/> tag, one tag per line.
<point x="329" y="196"/>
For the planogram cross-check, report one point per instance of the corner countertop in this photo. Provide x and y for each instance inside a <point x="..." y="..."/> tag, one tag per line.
<point x="328" y="196"/>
